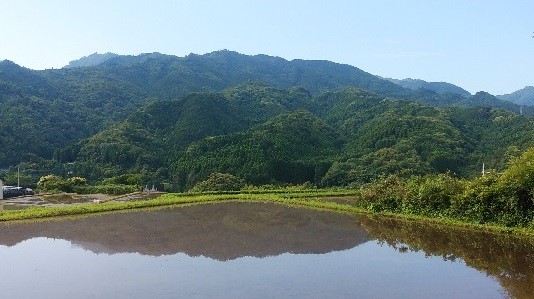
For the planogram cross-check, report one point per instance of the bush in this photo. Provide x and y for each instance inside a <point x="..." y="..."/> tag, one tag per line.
<point x="125" y="179"/>
<point x="219" y="182"/>
<point x="480" y="201"/>
<point x="517" y="181"/>
<point x="76" y="181"/>
<point x="385" y="194"/>
<point x="433" y="195"/>
<point x="51" y="183"/>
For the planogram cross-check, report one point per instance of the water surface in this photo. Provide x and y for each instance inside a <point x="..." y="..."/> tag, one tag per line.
<point x="237" y="250"/>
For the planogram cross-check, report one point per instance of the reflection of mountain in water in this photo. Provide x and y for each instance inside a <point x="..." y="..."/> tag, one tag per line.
<point x="508" y="258"/>
<point x="221" y="231"/>
<point x="231" y="230"/>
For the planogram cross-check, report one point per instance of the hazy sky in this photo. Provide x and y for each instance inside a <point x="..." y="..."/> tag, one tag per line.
<point x="476" y="44"/>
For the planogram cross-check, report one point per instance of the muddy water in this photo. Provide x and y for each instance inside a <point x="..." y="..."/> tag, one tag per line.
<point x="237" y="250"/>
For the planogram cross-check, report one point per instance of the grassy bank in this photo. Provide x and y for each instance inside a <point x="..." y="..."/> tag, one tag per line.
<point x="345" y="201"/>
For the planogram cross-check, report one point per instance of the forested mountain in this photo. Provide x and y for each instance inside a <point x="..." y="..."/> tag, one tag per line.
<point x="89" y="99"/>
<point x="439" y="87"/>
<point x="523" y="96"/>
<point x="267" y="135"/>
<point x="39" y="114"/>
<point x="290" y="148"/>
<point x="391" y="136"/>
<point x="154" y="132"/>
<point x="177" y="119"/>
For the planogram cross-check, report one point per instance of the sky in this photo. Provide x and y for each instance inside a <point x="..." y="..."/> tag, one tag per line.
<point x="476" y="44"/>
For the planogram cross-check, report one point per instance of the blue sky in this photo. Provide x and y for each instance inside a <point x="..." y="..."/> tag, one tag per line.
<point x="478" y="45"/>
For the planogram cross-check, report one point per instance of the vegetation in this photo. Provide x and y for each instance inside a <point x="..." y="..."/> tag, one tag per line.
<point x="201" y="122"/>
<point x="42" y="112"/>
<point x="219" y="182"/>
<point x="271" y="136"/>
<point x="503" y="200"/>
<point x="54" y="183"/>
<point x="115" y="186"/>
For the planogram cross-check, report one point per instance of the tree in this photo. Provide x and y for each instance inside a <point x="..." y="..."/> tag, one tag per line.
<point x="50" y="182"/>
<point x="13" y="178"/>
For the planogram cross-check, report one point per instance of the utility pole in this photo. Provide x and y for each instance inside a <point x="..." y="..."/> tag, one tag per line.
<point x="483" y="170"/>
<point x="18" y="175"/>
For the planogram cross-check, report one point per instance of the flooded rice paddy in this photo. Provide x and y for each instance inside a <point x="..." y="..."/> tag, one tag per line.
<point x="253" y="250"/>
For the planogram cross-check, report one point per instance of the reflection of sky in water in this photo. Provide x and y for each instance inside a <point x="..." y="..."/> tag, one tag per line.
<point x="48" y="268"/>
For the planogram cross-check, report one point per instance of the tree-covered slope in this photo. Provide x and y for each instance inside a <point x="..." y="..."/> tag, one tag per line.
<point x="43" y="111"/>
<point x="290" y="148"/>
<point x="146" y="140"/>
<point x="267" y="135"/>
<point x="142" y="143"/>
<point x="389" y="136"/>
<point x="40" y="114"/>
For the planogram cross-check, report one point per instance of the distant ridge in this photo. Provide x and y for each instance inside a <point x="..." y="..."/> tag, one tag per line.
<point x="91" y="60"/>
<point x="439" y="87"/>
<point x="524" y="96"/>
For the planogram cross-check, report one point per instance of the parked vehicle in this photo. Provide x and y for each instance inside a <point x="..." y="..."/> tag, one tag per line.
<point x="11" y="191"/>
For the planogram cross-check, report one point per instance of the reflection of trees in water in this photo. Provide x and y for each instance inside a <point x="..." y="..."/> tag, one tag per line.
<point x="510" y="259"/>
<point x="223" y="231"/>
<point x="232" y="230"/>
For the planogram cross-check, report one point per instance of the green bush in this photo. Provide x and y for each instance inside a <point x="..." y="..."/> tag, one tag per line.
<point x="386" y="194"/>
<point x="518" y="180"/>
<point x="433" y="195"/>
<point x="219" y="182"/>
<point x="50" y="183"/>
<point x="125" y="179"/>
<point x="479" y="202"/>
<point x="506" y="198"/>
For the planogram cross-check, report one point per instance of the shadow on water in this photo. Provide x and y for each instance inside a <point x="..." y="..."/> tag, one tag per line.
<point x="232" y="230"/>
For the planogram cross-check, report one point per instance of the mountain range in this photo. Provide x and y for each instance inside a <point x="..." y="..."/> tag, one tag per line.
<point x="266" y="119"/>
<point x="523" y="96"/>
<point x="439" y="87"/>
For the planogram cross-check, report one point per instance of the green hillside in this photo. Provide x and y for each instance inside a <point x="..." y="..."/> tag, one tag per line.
<point x="178" y="119"/>
<point x="267" y="135"/>
<point x="290" y="148"/>
<point x="43" y="111"/>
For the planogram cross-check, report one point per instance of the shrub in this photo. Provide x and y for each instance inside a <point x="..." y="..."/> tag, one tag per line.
<point x="50" y="183"/>
<point x="479" y="202"/>
<point x="125" y="179"/>
<point x="433" y="195"/>
<point x="517" y="183"/>
<point x="219" y="182"/>
<point x="385" y="194"/>
<point x="76" y="181"/>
